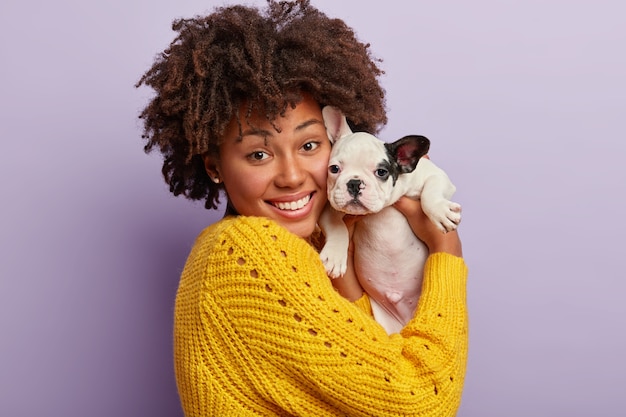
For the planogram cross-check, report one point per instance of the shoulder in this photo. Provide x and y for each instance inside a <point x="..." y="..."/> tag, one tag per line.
<point x="255" y="254"/>
<point x="252" y="237"/>
<point x="243" y="230"/>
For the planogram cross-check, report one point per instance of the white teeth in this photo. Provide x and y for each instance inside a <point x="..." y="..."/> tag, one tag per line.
<point x="294" y="205"/>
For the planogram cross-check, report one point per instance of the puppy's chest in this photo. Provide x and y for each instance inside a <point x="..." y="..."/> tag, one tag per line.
<point x="385" y="245"/>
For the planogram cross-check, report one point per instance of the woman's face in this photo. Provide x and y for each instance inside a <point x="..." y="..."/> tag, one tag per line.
<point x="279" y="175"/>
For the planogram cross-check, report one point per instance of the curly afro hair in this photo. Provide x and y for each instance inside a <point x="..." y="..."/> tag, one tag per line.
<point x="266" y="58"/>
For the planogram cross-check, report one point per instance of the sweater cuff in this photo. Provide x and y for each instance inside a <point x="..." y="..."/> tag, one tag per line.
<point x="445" y="274"/>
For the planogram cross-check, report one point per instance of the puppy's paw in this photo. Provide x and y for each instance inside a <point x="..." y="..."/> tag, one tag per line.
<point x="335" y="260"/>
<point x="454" y="215"/>
<point x="446" y="215"/>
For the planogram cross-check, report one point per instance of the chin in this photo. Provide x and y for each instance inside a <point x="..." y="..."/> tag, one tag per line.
<point x="303" y="226"/>
<point x="303" y="230"/>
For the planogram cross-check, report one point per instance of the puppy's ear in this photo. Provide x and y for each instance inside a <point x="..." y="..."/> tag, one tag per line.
<point x="408" y="151"/>
<point x="336" y="123"/>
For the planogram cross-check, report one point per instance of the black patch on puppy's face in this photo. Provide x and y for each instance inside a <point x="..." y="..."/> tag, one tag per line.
<point x="387" y="169"/>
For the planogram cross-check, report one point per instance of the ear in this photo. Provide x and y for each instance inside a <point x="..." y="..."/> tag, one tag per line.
<point x="408" y="151"/>
<point x="336" y="123"/>
<point x="211" y="167"/>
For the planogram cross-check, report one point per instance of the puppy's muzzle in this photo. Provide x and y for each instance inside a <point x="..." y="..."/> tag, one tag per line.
<point x="354" y="187"/>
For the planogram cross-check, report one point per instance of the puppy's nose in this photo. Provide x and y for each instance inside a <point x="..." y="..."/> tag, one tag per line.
<point x="354" y="187"/>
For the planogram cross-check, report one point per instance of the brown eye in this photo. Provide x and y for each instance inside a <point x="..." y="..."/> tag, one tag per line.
<point x="310" y="146"/>
<point x="258" y="155"/>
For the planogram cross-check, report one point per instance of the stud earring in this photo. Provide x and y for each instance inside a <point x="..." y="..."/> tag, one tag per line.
<point x="216" y="180"/>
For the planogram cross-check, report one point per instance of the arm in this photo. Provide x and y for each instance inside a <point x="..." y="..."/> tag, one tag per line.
<point x="425" y="230"/>
<point x="290" y="318"/>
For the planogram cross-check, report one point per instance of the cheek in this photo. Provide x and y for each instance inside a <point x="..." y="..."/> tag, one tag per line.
<point x="243" y="189"/>
<point x="386" y="186"/>
<point x="320" y="173"/>
<point x="320" y="168"/>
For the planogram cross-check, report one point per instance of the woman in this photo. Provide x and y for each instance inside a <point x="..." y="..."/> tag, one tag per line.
<point x="259" y="328"/>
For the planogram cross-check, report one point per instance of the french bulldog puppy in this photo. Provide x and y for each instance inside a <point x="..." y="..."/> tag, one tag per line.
<point x="365" y="177"/>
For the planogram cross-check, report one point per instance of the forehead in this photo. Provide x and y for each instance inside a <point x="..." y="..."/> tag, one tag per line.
<point x="361" y="147"/>
<point x="255" y="118"/>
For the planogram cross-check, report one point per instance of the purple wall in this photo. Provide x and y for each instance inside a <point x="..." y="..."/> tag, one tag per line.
<point x="525" y="103"/>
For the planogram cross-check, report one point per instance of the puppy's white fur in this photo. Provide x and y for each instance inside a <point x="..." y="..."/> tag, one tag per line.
<point x="364" y="179"/>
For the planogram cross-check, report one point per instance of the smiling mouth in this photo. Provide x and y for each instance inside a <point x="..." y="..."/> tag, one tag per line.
<point x="292" y="205"/>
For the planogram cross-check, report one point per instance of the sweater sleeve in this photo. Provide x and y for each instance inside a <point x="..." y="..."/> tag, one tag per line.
<point x="275" y="297"/>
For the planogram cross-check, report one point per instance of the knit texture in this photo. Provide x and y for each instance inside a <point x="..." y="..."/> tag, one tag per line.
<point x="260" y="331"/>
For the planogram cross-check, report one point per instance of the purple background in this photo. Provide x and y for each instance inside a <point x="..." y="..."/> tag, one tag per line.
<point x="524" y="101"/>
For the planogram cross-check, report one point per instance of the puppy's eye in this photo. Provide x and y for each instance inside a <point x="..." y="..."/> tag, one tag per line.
<point x="382" y="173"/>
<point x="334" y="169"/>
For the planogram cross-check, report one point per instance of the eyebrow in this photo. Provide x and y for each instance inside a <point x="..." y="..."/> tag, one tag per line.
<point x="308" y="123"/>
<point x="265" y="133"/>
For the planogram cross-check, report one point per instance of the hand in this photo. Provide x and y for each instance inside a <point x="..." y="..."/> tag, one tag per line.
<point x="426" y="231"/>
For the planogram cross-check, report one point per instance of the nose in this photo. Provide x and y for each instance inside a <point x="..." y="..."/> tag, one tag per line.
<point x="354" y="187"/>
<point x="292" y="173"/>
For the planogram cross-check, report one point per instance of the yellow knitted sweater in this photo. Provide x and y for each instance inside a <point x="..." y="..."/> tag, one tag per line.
<point x="260" y="331"/>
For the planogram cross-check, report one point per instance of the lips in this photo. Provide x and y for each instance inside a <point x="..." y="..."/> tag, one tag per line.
<point x="292" y="205"/>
